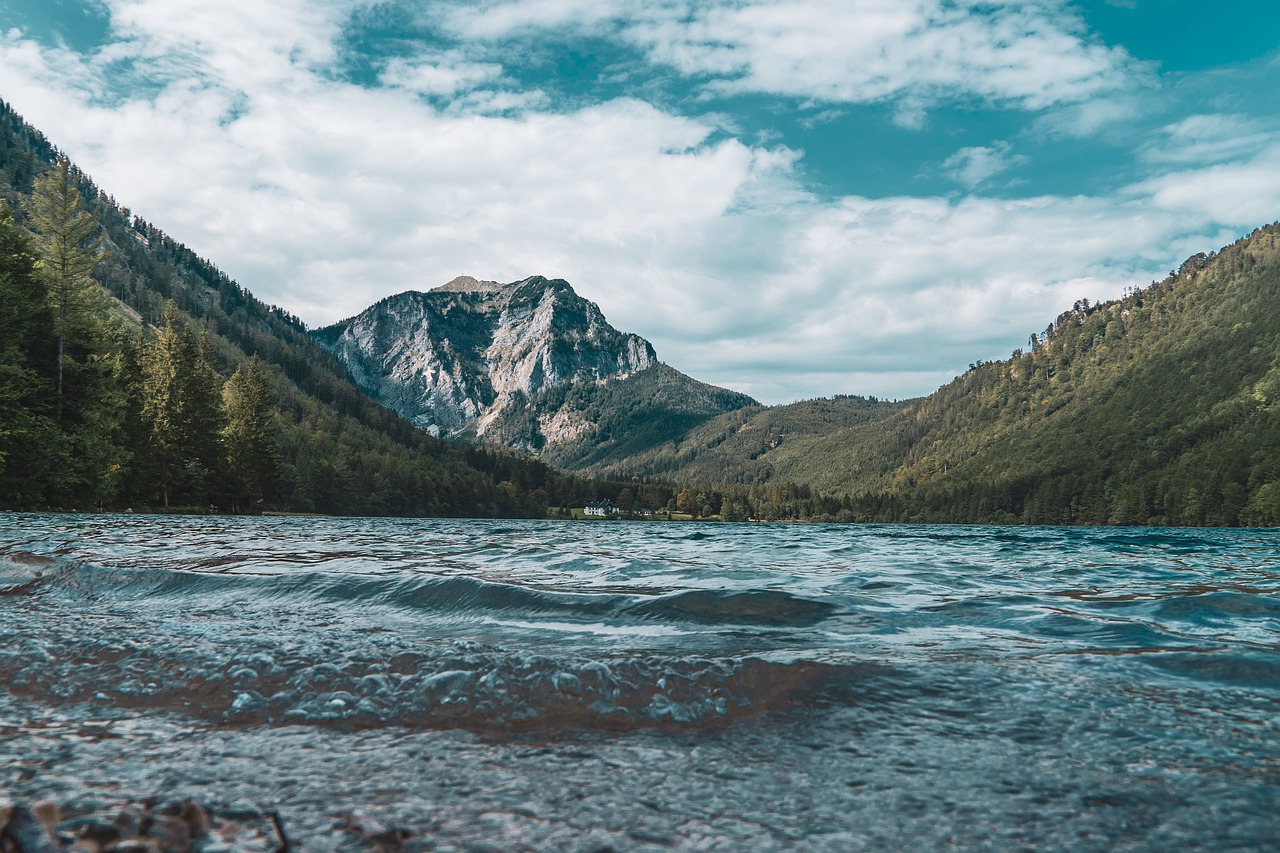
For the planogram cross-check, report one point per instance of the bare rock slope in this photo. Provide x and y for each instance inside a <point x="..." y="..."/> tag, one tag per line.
<point x="477" y="359"/>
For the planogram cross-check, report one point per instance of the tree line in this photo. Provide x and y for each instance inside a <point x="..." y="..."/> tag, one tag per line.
<point x="135" y="374"/>
<point x="99" y="412"/>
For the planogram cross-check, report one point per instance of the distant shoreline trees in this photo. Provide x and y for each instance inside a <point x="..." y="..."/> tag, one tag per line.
<point x="138" y="384"/>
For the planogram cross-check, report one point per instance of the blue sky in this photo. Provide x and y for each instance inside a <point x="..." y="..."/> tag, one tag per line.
<point x="792" y="198"/>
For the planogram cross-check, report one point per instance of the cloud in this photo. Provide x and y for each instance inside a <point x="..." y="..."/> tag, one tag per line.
<point x="503" y="20"/>
<point x="325" y="196"/>
<point x="441" y="75"/>
<point x="977" y="165"/>
<point x="877" y="295"/>
<point x="857" y="51"/>
<point x="1089" y="119"/>
<point x="243" y="44"/>
<point x="1208" y="138"/>
<point x="237" y="136"/>
<point x="1239" y="193"/>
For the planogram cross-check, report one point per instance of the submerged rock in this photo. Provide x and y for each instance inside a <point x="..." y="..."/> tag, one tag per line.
<point x="25" y="832"/>
<point x="149" y="827"/>
<point x="181" y="826"/>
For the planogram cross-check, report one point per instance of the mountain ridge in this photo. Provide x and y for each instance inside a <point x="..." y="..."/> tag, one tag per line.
<point x="1161" y="407"/>
<point x="480" y="360"/>
<point x="339" y="452"/>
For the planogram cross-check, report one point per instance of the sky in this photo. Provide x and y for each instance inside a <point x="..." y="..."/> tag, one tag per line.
<point x="789" y="198"/>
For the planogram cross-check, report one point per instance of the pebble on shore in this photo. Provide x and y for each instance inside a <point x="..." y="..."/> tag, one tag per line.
<point x="148" y="827"/>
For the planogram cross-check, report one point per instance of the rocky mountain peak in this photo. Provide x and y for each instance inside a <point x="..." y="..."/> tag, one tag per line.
<point x="465" y="355"/>
<point x="467" y="284"/>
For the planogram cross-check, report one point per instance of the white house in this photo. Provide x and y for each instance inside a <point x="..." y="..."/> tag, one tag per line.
<point x="602" y="508"/>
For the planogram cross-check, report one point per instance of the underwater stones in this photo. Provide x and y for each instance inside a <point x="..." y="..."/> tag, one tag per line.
<point x="242" y="674"/>
<point x="25" y="832"/>
<point x="185" y="826"/>
<point x="181" y="826"/>
<point x="90" y="834"/>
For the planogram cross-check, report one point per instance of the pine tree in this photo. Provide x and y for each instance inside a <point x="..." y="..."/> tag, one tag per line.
<point x="181" y="405"/>
<point x="127" y="476"/>
<point x="251" y="436"/>
<point x="86" y="395"/>
<point x="30" y="442"/>
<point x="65" y="236"/>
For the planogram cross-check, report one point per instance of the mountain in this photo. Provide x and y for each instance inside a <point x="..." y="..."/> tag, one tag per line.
<point x="529" y="364"/>
<point x="754" y="444"/>
<point x="335" y="451"/>
<point x="1162" y="407"/>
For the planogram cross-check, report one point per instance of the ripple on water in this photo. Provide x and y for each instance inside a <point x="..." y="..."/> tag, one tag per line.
<point x="560" y="686"/>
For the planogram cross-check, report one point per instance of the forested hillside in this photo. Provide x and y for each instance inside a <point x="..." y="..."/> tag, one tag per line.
<point x="754" y="444"/>
<point x="1159" y="408"/>
<point x="135" y="374"/>
<point x="158" y="381"/>
<point x="633" y="416"/>
<point x="1162" y="407"/>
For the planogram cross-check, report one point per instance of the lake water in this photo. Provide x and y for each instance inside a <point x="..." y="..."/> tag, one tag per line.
<point x="496" y="685"/>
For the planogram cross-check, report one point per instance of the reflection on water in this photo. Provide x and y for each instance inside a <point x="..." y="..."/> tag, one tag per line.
<point x="582" y="686"/>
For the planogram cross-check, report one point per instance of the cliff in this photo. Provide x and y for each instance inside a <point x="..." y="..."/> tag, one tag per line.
<point x="476" y="359"/>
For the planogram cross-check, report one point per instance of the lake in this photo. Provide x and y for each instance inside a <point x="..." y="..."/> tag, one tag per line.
<point x="592" y="686"/>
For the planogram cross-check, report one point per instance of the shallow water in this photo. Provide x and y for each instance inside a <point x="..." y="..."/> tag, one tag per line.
<point x="587" y="686"/>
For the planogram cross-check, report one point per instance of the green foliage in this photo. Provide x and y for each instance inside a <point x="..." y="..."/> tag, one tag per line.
<point x="29" y="437"/>
<point x="752" y="444"/>
<point x="182" y="410"/>
<point x="145" y="421"/>
<point x="70" y="247"/>
<point x="251" y="436"/>
<point x="632" y="416"/>
<point x="1159" y="408"/>
<point x="1151" y="409"/>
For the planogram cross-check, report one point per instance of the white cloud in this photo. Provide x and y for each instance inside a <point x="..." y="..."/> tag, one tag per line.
<point x="503" y="19"/>
<point x="1088" y="119"/>
<point x="878" y="294"/>
<point x="1210" y="139"/>
<point x="1239" y="193"/>
<point x="324" y="196"/>
<point x="245" y="43"/>
<point x="1031" y="55"/>
<point x="977" y="165"/>
<point x="444" y="75"/>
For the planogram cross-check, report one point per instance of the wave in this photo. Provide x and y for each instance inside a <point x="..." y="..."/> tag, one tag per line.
<point x="434" y="594"/>
<point x="283" y="631"/>
<point x="1257" y="670"/>
<point x="240" y="649"/>
<point x="753" y="607"/>
<point x="22" y="573"/>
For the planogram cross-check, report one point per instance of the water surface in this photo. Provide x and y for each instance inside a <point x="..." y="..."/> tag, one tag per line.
<point x="591" y="686"/>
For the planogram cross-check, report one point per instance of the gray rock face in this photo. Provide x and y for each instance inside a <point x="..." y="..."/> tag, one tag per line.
<point x="463" y="357"/>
